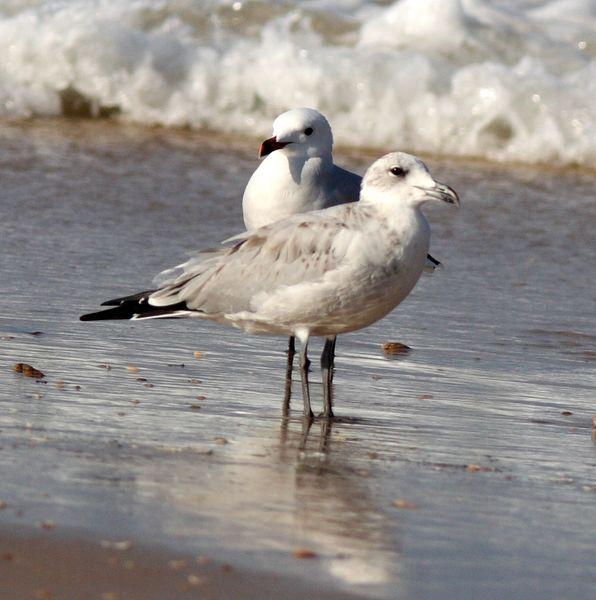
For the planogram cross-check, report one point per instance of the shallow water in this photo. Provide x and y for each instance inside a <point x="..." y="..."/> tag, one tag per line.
<point x="503" y="338"/>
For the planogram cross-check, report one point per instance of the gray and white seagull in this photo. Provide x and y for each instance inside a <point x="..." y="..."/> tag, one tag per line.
<point x="298" y="175"/>
<point x="320" y="273"/>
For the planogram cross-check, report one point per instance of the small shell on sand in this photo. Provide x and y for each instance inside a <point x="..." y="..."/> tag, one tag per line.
<point x="394" y="348"/>
<point x="123" y="545"/>
<point x="303" y="553"/>
<point x="196" y="579"/>
<point x="177" y="565"/>
<point x="27" y="370"/>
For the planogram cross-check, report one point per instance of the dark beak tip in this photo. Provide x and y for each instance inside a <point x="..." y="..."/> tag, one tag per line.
<point x="270" y="145"/>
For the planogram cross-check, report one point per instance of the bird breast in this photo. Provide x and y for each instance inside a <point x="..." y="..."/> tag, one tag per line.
<point x="276" y="191"/>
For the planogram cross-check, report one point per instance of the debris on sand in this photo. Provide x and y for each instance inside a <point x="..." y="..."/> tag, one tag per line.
<point x="220" y="440"/>
<point x="401" y="503"/>
<point x="425" y="396"/>
<point x="395" y="348"/>
<point x="196" y="579"/>
<point x="177" y="565"/>
<point x="122" y="545"/>
<point x="195" y="407"/>
<point x="303" y="553"/>
<point x="473" y="468"/>
<point x="28" y="370"/>
<point x="132" y="369"/>
<point x="198" y="355"/>
<point x="566" y="413"/>
<point x="105" y="366"/>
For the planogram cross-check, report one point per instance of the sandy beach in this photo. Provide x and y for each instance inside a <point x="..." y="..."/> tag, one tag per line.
<point x="52" y="565"/>
<point x="463" y="468"/>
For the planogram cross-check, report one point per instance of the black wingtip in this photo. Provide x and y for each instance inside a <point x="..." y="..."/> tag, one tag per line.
<point x="118" y="312"/>
<point x="136" y="310"/>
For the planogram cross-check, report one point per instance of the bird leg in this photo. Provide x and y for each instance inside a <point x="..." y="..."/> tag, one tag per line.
<point x="327" y="370"/>
<point x="289" y="367"/>
<point x="332" y="359"/>
<point x="308" y="414"/>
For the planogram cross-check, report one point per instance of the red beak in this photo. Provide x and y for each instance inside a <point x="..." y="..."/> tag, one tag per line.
<point x="270" y="145"/>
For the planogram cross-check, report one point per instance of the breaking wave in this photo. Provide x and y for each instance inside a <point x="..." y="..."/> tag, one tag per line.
<point x="506" y="80"/>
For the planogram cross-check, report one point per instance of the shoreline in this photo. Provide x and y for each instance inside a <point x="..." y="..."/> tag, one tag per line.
<point x="244" y="143"/>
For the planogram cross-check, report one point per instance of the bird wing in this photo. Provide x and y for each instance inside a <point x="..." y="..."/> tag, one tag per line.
<point x="299" y="249"/>
<point x="343" y="186"/>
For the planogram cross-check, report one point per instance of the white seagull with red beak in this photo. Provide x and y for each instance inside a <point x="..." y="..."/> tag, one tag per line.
<point x="298" y="175"/>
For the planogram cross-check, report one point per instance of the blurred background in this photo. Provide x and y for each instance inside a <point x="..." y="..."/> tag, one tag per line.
<point x="507" y="80"/>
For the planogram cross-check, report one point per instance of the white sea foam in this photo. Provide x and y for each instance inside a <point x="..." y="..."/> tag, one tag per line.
<point x="506" y="80"/>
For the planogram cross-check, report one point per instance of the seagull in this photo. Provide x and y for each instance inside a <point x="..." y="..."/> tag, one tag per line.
<point x="320" y="273"/>
<point x="298" y="175"/>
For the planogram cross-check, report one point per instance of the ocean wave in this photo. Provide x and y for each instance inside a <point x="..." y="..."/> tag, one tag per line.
<point x="507" y="81"/>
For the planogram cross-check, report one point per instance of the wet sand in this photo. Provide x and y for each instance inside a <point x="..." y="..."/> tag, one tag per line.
<point x="52" y="566"/>
<point x="464" y="468"/>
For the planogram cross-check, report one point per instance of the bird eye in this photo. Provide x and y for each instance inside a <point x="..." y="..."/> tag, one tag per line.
<point x="398" y="171"/>
<point x="308" y="131"/>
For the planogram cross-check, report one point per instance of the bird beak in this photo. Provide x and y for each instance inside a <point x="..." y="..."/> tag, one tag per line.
<point x="441" y="192"/>
<point x="270" y="145"/>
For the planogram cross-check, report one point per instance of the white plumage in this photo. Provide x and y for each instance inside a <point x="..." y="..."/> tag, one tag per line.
<point x="298" y="174"/>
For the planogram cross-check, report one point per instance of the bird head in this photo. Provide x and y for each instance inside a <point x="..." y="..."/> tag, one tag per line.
<point x="403" y="178"/>
<point x="300" y="132"/>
